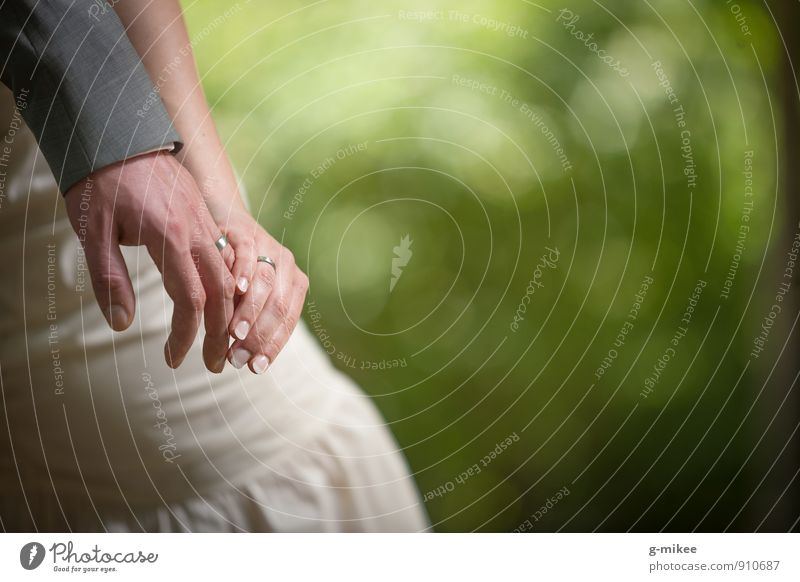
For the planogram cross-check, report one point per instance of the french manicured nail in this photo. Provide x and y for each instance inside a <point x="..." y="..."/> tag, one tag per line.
<point x="260" y="364"/>
<point x="242" y="284"/>
<point x="117" y="317"/>
<point x="240" y="357"/>
<point x="241" y="330"/>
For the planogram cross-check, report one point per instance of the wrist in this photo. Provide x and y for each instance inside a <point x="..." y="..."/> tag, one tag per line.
<point x="218" y="185"/>
<point x="223" y="202"/>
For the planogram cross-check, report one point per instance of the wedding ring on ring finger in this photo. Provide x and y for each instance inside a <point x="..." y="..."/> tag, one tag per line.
<point x="264" y="259"/>
<point x="221" y="243"/>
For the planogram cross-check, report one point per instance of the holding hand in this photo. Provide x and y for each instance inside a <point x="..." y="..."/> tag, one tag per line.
<point x="152" y="200"/>
<point x="272" y="291"/>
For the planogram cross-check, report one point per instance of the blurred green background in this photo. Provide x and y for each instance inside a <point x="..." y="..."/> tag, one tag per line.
<point x="487" y="132"/>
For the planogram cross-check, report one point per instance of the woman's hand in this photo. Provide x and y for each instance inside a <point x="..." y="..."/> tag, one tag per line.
<point x="270" y="299"/>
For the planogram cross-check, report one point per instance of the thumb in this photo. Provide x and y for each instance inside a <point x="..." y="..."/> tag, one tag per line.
<point x="112" y="285"/>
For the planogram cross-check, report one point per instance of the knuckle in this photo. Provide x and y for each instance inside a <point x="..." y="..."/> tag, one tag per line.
<point x="261" y="334"/>
<point x="289" y="324"/>
<point x="215" y="340"/>
<point x="280" y="308"/>
<point x="175" y="229"/>
<point x="302" y="281"/>
<point x="272" y="348"/>
<point x="259" y="339"/>
<point x="197" y="300"/>
<point x="266" y="276"/>
<point x="228" y="256"/>
<point x="246" y="251"/>
<point x="174" y="240"/>
<point x="247" y="310"/>
<point x="111" y="282"/>
<point x="228" y="288"/>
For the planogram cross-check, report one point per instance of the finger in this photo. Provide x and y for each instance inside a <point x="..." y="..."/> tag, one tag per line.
<point x="214" y="233"/>
<point x="244" y="266"/>
<point x="252" y="302"/>
<point x="228" y="255"/>
<point x="282" y="309"/>
<point x="275" y="310"/>
<point x="111" y="283"/>
<point x="183" y="285"/>
<point x="213" y="264"/>
<point x="219" y="290"/>
<point x="280" y="337"/>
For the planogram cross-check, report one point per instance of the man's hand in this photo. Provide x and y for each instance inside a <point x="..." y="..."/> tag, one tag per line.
<point x="152" y="200"/>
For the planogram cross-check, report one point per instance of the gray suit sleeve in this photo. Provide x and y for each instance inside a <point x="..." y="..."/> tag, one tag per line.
<point x="79" y="85"/>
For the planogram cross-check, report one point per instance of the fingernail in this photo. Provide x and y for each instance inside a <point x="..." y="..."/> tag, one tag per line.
<point x="241" y="330"/>
<point x="116" y="316"/>
<point x="171" y="362"/>
<point x="239" y="357"/>
<point x="260" y="364"/>
<point x="242" y="284"/>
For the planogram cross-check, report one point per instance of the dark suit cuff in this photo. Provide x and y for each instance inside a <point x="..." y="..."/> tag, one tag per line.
<point x="80" y="86"/>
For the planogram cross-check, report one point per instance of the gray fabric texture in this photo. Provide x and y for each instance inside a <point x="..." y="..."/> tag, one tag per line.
<point x="80" y="85"/>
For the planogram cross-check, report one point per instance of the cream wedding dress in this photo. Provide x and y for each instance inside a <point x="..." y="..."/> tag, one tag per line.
<point x="98" y="434"/>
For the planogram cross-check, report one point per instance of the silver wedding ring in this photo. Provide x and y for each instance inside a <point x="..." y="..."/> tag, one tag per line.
<point x="221" y="243"/>
<point x="263" y="259"/>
